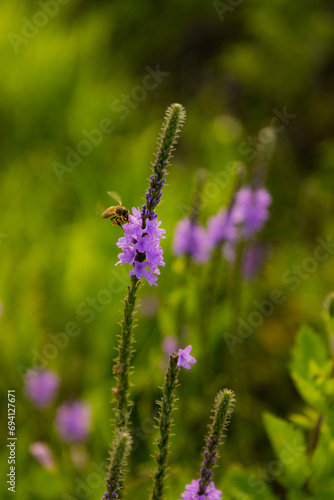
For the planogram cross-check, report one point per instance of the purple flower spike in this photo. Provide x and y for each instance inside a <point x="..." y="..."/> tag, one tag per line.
<point x="192" y="489"/>
<point x="191" y="239"/>
<point x="141" y="247"/>
<point x="185" y="358"/>
<point x="250" y="210"/>
<point x="41" y="387"/>
<point x="73" y="421"/>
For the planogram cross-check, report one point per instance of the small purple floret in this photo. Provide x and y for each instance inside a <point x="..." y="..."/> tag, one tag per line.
<point x="185" y="358"/>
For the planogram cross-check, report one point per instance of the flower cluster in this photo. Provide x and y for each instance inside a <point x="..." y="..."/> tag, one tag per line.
<point x="141" y="247"/>
<point x="192" y="492"/>
<point x="190" y="239"/>
<point x="244" y="218"/>
<point x="250" y="210"/>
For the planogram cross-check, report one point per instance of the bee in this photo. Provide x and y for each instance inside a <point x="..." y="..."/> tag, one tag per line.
<point x="118" y="215"/>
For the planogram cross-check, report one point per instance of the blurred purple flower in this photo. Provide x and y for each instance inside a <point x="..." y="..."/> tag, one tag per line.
<point x="41" y="387"/>
<point x="170" y="344"/>
<point x="185" y="358"/>
<point x="191" y="239"/>
<point x="144" y="243"/>
<point x="73" y="421"/>
<point x="43" y="454"/>
<point x="221" y="228"/>
<point x="253" y="259"/>
<point x="191" y="492"/>
<point x="250" y="210"/>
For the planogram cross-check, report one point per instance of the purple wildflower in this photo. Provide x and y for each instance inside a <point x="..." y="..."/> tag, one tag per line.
<point x="192" y="489"/>
<point x="185" y="358"/>
<point x="41" y="387"/>
<point x="250" y="210"/>
<point x="191" y="239"/>
<point x="43" y="454"/>
<point x="73" y="421"/>
<point x="141" y="247"/>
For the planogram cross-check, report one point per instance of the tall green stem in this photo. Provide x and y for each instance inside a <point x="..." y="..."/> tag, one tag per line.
<point x="122" y="368"/>
<point x="165" y="423"/>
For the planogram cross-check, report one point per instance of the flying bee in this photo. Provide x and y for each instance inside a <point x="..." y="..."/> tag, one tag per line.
<point x="118" y="215"/>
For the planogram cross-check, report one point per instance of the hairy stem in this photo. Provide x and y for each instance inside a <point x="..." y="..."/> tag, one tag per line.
<point x="122" y="369"/>
<point x="165" y="422"/>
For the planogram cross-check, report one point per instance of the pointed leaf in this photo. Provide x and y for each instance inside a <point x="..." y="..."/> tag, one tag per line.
<point x="290" y="448"/>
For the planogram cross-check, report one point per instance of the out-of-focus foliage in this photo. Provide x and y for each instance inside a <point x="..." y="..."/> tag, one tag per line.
<point x="82" y="72"/>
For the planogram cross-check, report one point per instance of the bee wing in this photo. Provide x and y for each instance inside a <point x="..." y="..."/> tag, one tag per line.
<point x="115" y="196"/>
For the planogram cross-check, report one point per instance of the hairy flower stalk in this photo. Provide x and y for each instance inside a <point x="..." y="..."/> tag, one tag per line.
<point x="123" y="361"/>
<point x="174" y="119"/>
<point x="222" y="411"/>
<point x="204" y="488"/>
<point x="121" y="449"/>
<point x="165" y="422"/>
<point x="141" y="249"/>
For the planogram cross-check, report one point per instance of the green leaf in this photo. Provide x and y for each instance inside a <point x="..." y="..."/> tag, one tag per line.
<point x="322" y="461"/>
<point x="290" y="448"/>
<point x="301" y="421"/>
<point x="310" y="368"/>
<point x="309" y="350"/>
<point x="311" y="394"/>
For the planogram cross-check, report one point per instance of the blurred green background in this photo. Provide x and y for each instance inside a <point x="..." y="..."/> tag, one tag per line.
<point x="83" y="66"/>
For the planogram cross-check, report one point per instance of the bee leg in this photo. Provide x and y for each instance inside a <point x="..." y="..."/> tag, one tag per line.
<point x="119" y="224"/>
